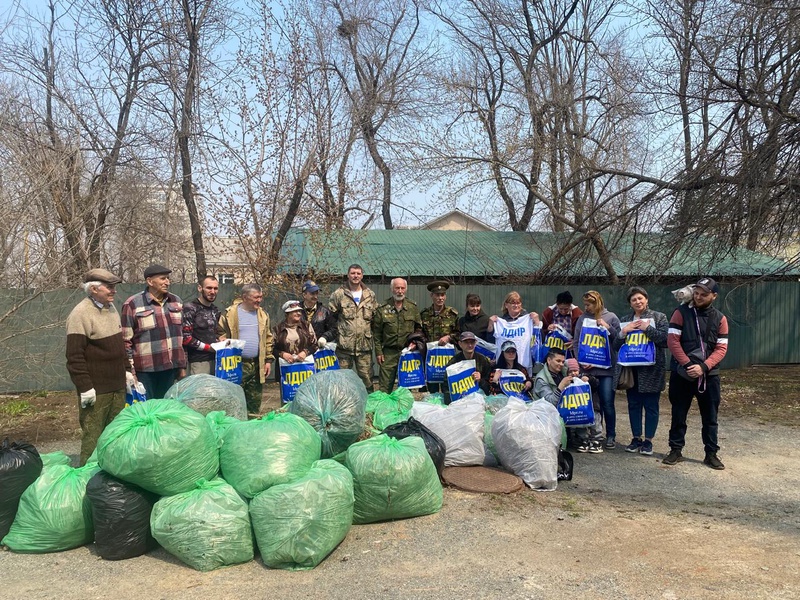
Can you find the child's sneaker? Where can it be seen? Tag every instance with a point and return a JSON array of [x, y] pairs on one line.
[[595, 448], [646, 448]]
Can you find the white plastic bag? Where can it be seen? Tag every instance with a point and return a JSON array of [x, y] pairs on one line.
[[459, 425], [526, 440]]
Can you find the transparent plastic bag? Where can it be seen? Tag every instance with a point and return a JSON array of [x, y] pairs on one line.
[[206, 393], [527, 437], [460, 427], [334, 403]]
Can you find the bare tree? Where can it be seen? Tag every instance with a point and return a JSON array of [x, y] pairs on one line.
[[378, 66]]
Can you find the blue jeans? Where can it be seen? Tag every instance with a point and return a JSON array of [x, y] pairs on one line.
[[606, 392], [638, 401], [157, 382]]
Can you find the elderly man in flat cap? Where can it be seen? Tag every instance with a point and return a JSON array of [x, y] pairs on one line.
[[96, 358], [152, 330], [439, 322]]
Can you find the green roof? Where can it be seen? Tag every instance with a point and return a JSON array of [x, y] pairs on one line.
[[450, 254]]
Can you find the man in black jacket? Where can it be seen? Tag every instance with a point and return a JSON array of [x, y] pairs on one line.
[[322, 320], [200, 318]]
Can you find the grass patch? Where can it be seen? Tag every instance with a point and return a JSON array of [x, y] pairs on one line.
[[15, 408]]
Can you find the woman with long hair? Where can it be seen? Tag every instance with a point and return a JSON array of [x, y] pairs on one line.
[[594, 308]]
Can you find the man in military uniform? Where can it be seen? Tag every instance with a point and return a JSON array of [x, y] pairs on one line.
[[439, 322], [394, 321], [353, 305]]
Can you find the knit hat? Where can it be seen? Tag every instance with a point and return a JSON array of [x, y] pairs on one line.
[[572, 365]]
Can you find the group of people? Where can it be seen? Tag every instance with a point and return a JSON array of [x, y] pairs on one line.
[[157, 338]]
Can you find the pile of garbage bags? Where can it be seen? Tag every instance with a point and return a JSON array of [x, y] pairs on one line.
[[212, 489]]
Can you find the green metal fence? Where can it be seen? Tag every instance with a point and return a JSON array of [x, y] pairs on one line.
[[763, 318]]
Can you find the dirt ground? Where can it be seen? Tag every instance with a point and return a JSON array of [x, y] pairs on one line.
[[625, 527]]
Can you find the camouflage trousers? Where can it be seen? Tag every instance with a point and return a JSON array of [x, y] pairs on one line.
[[252, 386], [94, 419], [361, 363]]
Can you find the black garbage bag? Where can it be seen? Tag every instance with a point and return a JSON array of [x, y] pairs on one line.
[[20, 465], [121, 514], [433, 443]]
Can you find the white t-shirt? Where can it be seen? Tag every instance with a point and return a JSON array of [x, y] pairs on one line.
[[519, 331]]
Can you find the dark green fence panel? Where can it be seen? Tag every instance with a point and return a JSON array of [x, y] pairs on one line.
[[763, 318]]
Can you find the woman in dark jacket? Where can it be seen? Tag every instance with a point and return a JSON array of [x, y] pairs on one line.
[[475, 320], [649, 381], [294, 337]]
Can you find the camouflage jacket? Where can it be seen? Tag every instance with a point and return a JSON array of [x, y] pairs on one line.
[[445, 323], [353, 321], [391, 327]]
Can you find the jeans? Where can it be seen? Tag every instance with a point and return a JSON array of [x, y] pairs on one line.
[[606, 393], [156, 383], [681, 394], [638, 401]]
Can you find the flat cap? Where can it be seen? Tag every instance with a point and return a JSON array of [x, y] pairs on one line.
[[154, 270], [101, 275], [708, 284], [437, 287]]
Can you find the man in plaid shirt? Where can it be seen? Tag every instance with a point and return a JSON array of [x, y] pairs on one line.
[[151, 329]]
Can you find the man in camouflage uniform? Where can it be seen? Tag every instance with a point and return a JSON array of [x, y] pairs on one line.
[[394, 321], [353, 305], [439, 322]]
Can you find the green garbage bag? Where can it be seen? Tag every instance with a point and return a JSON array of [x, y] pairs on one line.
[[277, 448], [393, 479], [54, 513], [376, 399], [388, 409], [298, 524], [207, 527], [206, 393], [488, 441], [220, 422], [437, 399], [52, 459], [334, 403], [162, 446]]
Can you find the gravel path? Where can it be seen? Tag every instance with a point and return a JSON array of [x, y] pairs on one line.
[[625, 527]]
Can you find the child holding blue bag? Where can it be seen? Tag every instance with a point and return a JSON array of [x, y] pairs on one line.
[[551, 382]]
